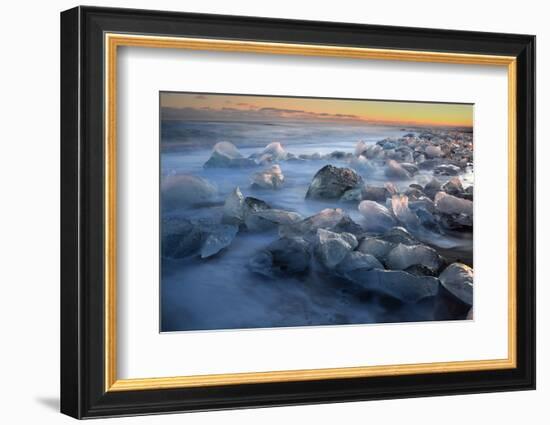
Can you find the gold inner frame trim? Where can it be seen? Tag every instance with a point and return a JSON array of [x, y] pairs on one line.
[[113, 41]]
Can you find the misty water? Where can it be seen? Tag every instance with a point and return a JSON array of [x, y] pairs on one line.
[[221, 292]]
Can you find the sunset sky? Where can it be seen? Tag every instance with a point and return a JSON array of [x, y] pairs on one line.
[[212, 107]]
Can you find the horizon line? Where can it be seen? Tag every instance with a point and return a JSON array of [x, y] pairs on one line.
[[327, 121]]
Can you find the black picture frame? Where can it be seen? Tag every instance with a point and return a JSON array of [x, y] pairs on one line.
[[83, 392]]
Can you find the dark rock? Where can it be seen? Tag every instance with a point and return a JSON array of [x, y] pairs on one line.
[[405, 155], [413, 194], [446, 170], [426, 218], [419, 270], [453, 187], [315, 156], [352, 195], [432, 188], [449, 204], [410, 168], [467, 194], [456, 222], [338, 155], [346, 224], [429, 164], [398, 235], [293, 158], [422, 202], [388, 145], [331, 182], [377, 193]]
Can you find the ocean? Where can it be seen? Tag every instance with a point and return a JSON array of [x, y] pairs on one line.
[[220, 292]]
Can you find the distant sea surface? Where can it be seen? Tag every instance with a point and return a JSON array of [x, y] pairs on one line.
[[184, 135]]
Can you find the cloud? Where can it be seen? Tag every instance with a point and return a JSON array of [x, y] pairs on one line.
[[346, 116], [252, 114], [282, 110]]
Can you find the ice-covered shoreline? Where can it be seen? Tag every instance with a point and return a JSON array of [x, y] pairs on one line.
[[412, 193]]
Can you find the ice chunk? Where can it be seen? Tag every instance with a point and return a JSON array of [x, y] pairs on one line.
[[397, 284], [358, 260], [284, 257], [268, 179], [225, 154], [396, 171], [275, 151], [217, 238], [331, 248], [376, 247], [362, 164], [335, 220], [270, 219], [400, 207], [458, 279], [377, 217], [433, 152], [234, 207], [182, 190], [360, 147], [404, 256]]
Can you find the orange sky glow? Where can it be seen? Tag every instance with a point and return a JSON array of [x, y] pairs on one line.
[[243, 107]]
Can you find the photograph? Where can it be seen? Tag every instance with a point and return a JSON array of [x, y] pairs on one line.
[[283, 211]]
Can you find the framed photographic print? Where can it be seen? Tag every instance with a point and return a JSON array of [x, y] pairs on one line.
[[261, 212]]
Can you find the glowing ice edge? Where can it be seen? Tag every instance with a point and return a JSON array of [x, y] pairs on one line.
[[144, 352]]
